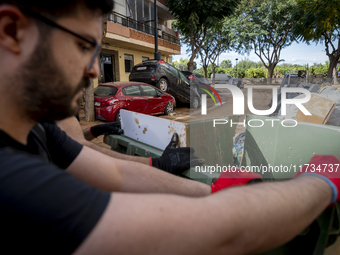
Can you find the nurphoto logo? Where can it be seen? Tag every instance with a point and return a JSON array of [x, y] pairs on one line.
[[238, 103]]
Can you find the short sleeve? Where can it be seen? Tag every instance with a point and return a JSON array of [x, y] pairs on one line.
[[61, 147], [44, 210]]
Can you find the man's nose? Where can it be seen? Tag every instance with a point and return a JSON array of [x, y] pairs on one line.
[[94, 71]]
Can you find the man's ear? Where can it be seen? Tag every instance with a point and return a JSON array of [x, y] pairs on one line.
[[12, 22]]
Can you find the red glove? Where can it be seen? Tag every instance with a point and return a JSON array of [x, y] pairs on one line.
[[229, 179], [326, 168]]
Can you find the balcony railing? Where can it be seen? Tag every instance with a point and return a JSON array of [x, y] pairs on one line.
[[144, 28]]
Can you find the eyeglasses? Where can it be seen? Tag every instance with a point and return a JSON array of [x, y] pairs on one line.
[[49, 22]]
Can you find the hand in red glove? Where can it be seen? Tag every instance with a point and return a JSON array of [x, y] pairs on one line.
[[326, 168], [229, 179]]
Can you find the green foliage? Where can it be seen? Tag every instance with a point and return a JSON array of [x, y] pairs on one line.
[[256, 73], [314, 18], [260, 72], [265, 26], [226, 64], [196, 17], [216, 42], [182, 64], [192, 15], [319, 69], [218, 69], [247, 63], [231, 71], [319, 21], [316, 68]]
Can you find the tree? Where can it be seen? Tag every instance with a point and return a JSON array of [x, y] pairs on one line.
[[319, 21], [89, 91], [226, 64], [182, 64], [265, 26], [320, 69], [216, 42], [195, 17], [247, 64]]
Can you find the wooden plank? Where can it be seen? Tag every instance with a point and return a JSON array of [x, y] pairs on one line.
[[320, 108], [152, 130]]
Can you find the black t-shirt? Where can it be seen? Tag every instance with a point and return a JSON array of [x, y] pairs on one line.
[[43, 209]]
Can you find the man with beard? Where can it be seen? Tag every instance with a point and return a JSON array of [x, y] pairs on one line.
[[48, 51]]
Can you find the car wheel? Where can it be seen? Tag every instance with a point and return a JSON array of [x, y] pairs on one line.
[[163, 84], [169, 108], [195, 103]]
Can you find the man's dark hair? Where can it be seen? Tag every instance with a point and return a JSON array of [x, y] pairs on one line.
[[59, 8]]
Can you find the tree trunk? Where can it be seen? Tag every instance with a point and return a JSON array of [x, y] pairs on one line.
[[194, 50], [213, 69], [333, 61], [270, 71], [271, 68], [205, 68], [89, 103], [335, 75], [89, 91], [191, 61]]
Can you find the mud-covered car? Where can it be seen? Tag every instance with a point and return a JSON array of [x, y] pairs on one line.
[[198, 81], [111, 97], [168, 79]]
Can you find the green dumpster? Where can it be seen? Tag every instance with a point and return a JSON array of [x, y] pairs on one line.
[[268, 145]]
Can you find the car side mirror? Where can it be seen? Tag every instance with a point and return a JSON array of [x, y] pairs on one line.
[[159, 94]]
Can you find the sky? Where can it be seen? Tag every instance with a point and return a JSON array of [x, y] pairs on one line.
[[297, 53]]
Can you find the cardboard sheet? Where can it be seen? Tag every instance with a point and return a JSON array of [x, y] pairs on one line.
[[152, 130], [320, 108]]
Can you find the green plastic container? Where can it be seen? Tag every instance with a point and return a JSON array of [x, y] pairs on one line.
[[275, 145]]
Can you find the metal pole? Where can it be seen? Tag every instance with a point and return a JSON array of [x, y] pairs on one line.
[[236, 68], [157, 54]]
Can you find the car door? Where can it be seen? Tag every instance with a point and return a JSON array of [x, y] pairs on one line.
[[134, 101], [155, 103], [173, 73], [184, 87]]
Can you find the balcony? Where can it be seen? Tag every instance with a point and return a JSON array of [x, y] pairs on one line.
[[144, 28]]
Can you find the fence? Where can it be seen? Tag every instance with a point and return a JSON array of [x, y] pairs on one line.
[[141, 27]]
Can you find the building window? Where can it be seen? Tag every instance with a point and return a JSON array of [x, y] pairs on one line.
[[128, 63], [145, 59], [140, 7], [146, 10]]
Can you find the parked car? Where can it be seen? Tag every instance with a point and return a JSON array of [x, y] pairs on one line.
[[234, 81], [168, 79], [221, 78], [197, 81], [110, 97]]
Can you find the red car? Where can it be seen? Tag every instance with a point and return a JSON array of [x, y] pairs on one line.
[[140, 97]]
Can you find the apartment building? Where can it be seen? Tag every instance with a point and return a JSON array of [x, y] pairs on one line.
[[129, 42]]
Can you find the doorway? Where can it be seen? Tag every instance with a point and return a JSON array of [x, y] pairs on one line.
[[106, 67]]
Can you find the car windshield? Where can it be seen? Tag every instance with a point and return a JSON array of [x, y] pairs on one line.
[[104, 91], [183, 77]]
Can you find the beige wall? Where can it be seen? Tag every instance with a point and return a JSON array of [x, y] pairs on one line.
[[137, 58], [95, 83]]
